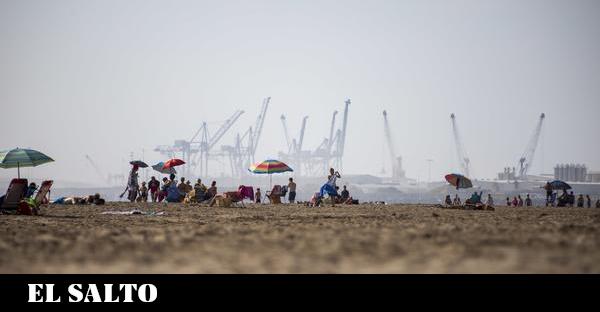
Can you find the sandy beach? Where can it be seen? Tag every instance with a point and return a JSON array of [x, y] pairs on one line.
[[297, 239]]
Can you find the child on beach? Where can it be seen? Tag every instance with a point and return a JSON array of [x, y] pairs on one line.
[[143, 193], [257, 196]]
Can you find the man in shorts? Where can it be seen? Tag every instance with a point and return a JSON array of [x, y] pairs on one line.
[[292, 191]]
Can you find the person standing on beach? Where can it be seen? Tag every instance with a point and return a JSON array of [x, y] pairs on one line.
[[508, 201], [520, 201], [589, 201], [329, 188], [153, 186], [549, 192], [528, 201], [292, 190], [132, 184], [515, 201]]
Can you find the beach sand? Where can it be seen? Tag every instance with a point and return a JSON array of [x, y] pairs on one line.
[[298, 239]]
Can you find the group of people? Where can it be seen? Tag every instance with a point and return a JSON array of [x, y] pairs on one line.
[[169, 190], [331, 189], [567, 199], [518, 201], [289, 189], [475, 200]]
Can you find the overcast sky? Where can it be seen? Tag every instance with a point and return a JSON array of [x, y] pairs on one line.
[[108, 78]]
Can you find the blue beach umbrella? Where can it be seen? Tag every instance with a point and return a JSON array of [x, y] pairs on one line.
[[21, 157]]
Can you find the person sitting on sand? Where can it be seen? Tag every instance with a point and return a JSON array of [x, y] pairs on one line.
[[598, 203], [154, 186], [345, 197], [174, 194], [315, 200], [257, 195], [475, 199], [528, 201], [508, 201], [580, 201], [212, 190], [200, 190], [457, 201], [490, 201], [448, 200], [30, 190], [162, 194], [182, 186], [97, 200], [345, 194]]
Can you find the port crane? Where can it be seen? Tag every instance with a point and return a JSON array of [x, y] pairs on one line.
[[463, 159], [197, 150], [527, 157], [396, 161], [329, 153], [241, 154], [294, 155]]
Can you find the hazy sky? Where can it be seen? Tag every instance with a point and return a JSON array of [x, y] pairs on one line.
[[107, 78]]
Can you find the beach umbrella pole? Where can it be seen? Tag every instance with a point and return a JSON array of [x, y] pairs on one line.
[[18, 171]]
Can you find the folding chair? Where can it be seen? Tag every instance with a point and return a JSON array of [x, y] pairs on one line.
[[14, 194]]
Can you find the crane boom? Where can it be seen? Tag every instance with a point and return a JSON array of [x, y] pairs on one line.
[[460, 150], [260, 120], [286, 133], [331, 131], [527, 158], [302, 129], [214, 139], [344, 126], [390, 142]]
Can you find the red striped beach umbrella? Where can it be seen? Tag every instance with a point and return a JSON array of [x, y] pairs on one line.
[[269, 167], [173, 163]]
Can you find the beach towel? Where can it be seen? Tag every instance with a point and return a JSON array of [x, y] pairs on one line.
[[327, 189], [135, 212], [246, 192]]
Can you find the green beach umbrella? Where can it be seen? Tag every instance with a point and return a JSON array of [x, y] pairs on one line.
[[21, 157]]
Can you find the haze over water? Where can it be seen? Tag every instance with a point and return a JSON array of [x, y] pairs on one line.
[[111, 78]]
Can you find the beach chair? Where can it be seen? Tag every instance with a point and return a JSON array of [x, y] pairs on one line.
[[14, 194], [32, 206], [274, 195]]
